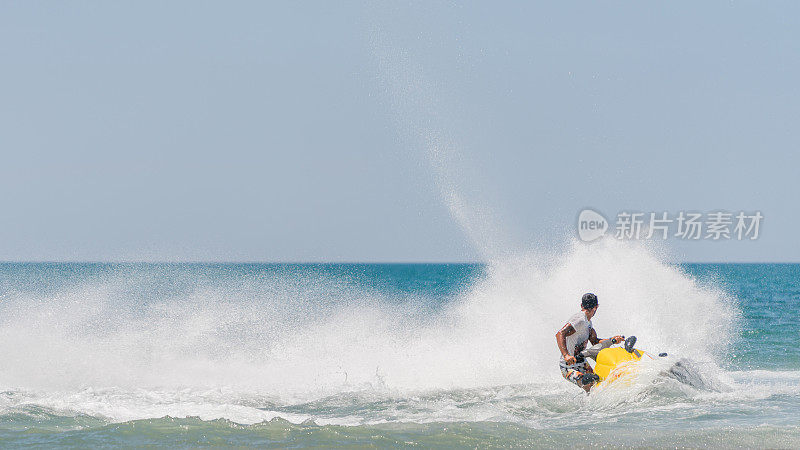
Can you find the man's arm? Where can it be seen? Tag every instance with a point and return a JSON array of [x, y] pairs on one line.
[[561, 341], [594, 339], [593, 336]]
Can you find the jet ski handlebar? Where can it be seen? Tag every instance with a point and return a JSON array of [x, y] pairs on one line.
[[629, 343], [592, 351]]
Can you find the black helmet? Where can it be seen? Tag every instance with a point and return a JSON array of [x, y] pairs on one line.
[[588, 301]]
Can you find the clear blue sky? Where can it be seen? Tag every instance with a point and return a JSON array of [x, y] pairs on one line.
[[273, 131]]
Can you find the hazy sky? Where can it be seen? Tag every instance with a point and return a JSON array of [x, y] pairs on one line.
[[335, 131]]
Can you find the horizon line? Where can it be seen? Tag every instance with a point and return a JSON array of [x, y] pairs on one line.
[[255, 262]]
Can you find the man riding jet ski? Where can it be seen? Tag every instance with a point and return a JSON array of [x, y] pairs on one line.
[[571, 340]]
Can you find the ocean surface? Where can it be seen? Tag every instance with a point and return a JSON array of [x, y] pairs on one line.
[[394, 354]]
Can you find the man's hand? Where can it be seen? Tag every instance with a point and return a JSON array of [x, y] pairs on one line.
[[617, 339], [569, 359]]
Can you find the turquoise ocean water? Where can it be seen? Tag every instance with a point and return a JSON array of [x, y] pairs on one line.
[[393, 354]]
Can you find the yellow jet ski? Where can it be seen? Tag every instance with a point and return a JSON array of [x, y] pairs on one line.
[[612, 363]]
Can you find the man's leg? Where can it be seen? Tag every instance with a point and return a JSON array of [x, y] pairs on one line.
[[574, 373]]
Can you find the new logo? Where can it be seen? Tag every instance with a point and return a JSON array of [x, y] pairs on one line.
[[591, 225]]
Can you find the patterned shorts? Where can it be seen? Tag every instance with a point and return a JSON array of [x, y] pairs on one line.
[[573, 372]]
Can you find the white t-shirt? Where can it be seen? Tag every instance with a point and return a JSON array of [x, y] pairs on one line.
[[582, 327]]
